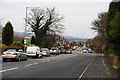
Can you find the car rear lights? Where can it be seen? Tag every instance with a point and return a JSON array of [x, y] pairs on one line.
[[14, 53], [3, 54]]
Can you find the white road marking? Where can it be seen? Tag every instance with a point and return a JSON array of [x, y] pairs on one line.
[[35, 63], [28, 65], [107, 70], [9, 69], [85, 70], [31, 64], [105, 65], [46, 61]]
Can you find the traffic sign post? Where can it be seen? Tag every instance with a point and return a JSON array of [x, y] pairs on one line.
[[27, 40], [60, 46]]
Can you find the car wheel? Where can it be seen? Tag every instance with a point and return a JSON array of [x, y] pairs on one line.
[[26, 58], [41, 56], [48, 55], [37, 55], [4, 60], [19, 59]]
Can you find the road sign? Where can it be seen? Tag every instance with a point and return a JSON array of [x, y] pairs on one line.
[[27, 40], [60, 46]]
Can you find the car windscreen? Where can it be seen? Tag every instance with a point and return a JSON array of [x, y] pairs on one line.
[[32, 49], [53, 49], [43, 49], [11, 50]]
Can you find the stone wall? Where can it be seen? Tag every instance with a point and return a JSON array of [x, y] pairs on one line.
[[115, 61]]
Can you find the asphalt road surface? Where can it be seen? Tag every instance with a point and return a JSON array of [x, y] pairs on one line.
[[61, 66]]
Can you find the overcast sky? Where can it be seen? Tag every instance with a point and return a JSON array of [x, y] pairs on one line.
[[78, 13]]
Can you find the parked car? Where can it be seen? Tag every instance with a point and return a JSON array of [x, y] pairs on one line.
[[69, 51], [63, 51], [89, 50], [16, 54], [45, 51], [85, 51], [54, 50], [33, 51]]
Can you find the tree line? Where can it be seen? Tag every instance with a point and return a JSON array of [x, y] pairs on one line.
[[108, 28]]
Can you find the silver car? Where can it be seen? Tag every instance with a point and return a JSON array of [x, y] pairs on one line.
[[54, 51], [16, 54], [45, 51]]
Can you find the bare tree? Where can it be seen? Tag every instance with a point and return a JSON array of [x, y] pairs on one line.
[[99, 25], [44, 21]]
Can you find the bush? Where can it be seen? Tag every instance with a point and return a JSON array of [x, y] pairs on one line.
[[4, 46], [17, 43]]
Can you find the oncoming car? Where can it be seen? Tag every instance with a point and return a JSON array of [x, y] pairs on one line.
[[16, 54]]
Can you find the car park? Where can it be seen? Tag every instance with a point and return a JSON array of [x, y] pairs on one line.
[[45, 51], [16, 54]]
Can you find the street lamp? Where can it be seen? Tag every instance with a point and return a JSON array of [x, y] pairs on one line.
[[26, 20], [25, 27], [27, 17]]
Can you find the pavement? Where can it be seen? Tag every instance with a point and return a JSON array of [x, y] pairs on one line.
[[101, 68]]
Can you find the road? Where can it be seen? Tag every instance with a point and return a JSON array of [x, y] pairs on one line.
[[61, 66]]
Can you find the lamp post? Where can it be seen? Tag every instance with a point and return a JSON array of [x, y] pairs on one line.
[[25, 28], [26, 20]]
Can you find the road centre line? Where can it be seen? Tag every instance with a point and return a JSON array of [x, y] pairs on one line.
[[9, 69], [35, 63], [31, 64], [28, 65], [85, 69]]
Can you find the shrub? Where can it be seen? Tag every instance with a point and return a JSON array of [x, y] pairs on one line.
[[18, 43]]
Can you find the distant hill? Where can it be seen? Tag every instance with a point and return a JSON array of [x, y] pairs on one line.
[[77, 39], [22, 34], [69, 38]]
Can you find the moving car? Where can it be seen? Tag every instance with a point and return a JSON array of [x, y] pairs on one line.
[[45, 51], [54, 50], [33, 51], [16, 54]]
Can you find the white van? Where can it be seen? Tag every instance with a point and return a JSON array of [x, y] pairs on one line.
[[33, 51]]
